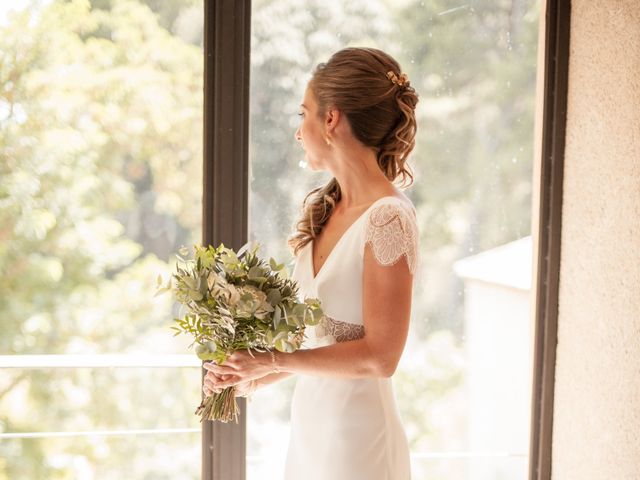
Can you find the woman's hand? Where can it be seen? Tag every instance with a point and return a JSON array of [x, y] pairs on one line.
[[239, 368], [212, 381]]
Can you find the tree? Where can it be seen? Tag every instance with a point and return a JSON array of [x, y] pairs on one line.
[[100, 151]]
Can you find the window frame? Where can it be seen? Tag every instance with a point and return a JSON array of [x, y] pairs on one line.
[[548, 176], [227, 41]]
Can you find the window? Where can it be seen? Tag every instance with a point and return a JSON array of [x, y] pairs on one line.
[[100, 174], [101, 163], [463, 386]]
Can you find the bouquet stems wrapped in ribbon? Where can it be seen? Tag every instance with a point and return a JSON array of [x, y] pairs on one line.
[[236, 301]]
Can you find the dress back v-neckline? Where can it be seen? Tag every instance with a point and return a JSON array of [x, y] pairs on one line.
[[314, 276]]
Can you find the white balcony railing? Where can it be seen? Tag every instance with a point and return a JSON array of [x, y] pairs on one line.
[[100, 361], [162, 361]]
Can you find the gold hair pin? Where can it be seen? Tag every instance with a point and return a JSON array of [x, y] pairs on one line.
[[403, 81]]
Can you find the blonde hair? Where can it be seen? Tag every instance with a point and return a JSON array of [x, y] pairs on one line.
[[381, 113]]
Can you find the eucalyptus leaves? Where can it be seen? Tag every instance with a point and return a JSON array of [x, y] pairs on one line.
[[236, 301]]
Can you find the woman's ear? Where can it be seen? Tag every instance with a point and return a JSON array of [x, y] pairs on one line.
[[332, 118]]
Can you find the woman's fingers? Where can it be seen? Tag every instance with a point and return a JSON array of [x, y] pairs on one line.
[[229, 381], [216, 377], [210, 391], [215, 368], [213, 376], [230, 373], [213, 382], [216, 383]]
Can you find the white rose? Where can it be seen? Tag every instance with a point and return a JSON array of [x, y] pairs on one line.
[[234, 294], [214, 279]]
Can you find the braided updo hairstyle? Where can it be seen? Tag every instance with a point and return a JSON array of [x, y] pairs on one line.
[[363, 84]]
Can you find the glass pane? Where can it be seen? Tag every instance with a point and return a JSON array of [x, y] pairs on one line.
[[100, 183], [160, 456], [101, 423], [464, 380], [125, 398]]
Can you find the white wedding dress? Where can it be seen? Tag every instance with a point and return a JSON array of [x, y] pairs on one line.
[[342, 428]]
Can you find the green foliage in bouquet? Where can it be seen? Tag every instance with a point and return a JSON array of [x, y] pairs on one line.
[[236, 301]]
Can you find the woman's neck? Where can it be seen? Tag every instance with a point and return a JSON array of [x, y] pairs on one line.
[[361, 180]]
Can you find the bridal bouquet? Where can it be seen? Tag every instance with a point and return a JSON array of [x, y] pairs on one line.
[[236, 301]]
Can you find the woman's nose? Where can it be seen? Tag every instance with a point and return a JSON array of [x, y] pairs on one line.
[[297, 134]]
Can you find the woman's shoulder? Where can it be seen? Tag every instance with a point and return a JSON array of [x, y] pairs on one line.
[[387, 203], [404, 200], [392, 230]]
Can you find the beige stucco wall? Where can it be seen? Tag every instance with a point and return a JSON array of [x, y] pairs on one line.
[[596, 430]]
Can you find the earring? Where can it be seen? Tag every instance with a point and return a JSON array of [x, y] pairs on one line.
[[326, 139]]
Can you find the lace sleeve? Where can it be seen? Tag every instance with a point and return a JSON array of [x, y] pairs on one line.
[[340, 331], [392, 232]]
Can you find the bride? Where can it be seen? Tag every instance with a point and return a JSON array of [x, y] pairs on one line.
[[356, 248]]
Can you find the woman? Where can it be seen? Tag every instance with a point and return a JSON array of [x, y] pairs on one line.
[[356, 249]]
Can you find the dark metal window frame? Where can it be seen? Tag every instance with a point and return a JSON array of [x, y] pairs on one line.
[[556, 72], [227, 41]]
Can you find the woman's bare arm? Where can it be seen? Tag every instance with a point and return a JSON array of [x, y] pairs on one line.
[[272, 378], [387, 292]]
